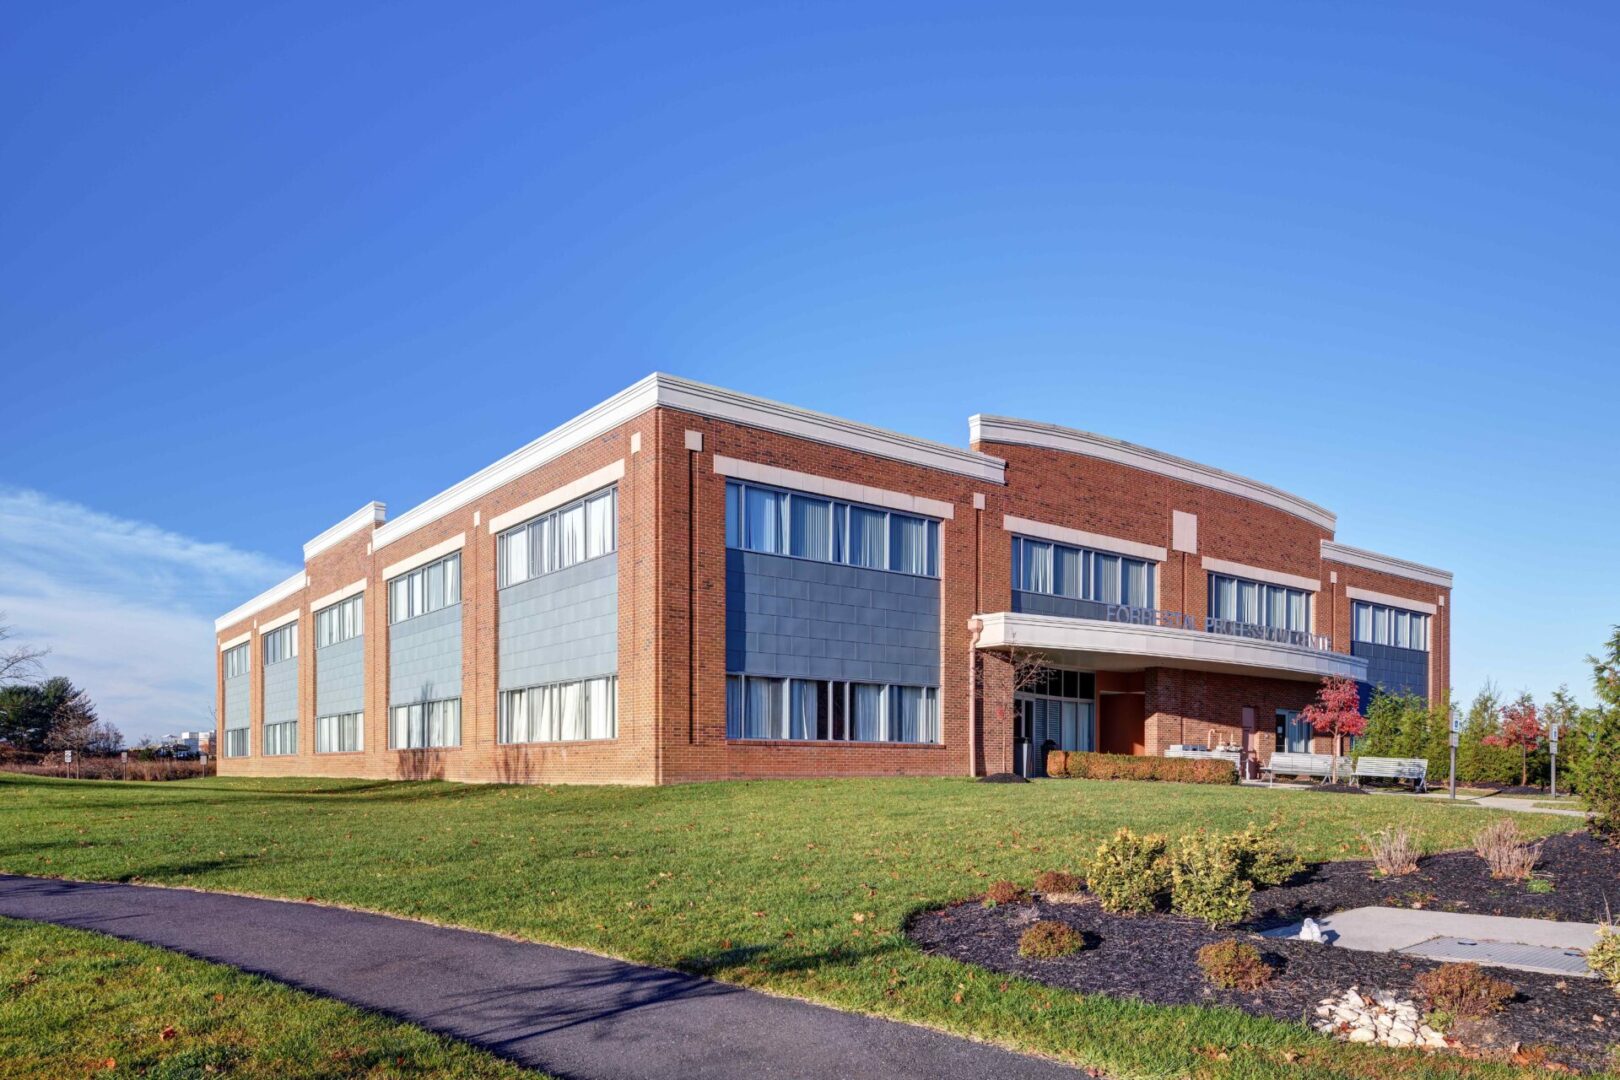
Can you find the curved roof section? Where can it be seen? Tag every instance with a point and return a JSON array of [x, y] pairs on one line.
[[1006, 429]]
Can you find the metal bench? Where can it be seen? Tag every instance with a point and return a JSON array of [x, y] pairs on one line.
[[1289, 764], [1389, 768]]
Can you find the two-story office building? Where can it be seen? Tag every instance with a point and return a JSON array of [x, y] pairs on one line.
[[686, 583]]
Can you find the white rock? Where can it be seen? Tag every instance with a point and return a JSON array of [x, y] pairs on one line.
[[1362, 1035]]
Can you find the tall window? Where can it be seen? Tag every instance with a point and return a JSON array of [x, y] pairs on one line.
[[584, 529], [281, 644], [809, 527], [340, 622], [236, 742], [425, 724], [1060, 570], [1381, 625], [1252, 603], [236, 661], [561, 712], [428, 588], [340, 733], [281, 738], [818, 710]]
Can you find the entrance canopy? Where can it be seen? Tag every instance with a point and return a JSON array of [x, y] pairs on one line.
[[1096, 645]]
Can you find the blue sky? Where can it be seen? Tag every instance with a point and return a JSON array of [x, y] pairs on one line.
[[262, 265]]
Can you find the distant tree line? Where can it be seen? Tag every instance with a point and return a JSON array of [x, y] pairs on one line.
[[42, 715]]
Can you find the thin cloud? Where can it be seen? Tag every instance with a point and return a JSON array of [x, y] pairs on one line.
[[125, 607]]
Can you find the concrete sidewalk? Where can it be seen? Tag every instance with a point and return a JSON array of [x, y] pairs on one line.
[[568, 1013], [1526, 944]]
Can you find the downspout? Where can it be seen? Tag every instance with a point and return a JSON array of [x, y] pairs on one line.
[[975, 628]]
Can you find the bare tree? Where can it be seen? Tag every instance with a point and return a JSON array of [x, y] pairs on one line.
[[1030, 667], [18, 663]]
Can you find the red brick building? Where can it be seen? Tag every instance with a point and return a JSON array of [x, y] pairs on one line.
[[685, 583]]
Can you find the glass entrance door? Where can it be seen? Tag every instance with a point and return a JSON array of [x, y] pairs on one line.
[[1293, 734], [1051, 723]]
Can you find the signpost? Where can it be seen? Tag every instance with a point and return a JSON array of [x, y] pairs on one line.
[[1552, 743], [1456, 730], [67, 763], [123, 756]]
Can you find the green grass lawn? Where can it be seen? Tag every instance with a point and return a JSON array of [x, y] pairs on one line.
[[799, 888], [74, 1003]]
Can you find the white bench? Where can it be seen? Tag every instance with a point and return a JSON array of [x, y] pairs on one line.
[[1288, 764], [1389, 768]]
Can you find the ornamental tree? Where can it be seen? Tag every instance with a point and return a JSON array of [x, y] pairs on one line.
[[1336, 712], [1522, 730]]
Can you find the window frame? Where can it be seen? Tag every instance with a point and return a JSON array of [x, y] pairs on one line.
[[1383, 626], [739, 529], [541, 538], [413, 586], [590, 691], [1088, 569], [336, 719], [283, 640], [836, 699]]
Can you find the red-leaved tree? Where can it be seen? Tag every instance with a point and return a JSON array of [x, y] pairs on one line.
[[1522, 729], [1336, 712]]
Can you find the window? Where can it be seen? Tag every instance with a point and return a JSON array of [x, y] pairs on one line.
[[428, 588], [340, 733], [808, 527], [236, 661], [577, 711], [1041, 566], [425, 724], [812, 710], [281, 644], [340, 622], [1252, 603], [558, 539], [281, 738], [236, 742], [1381, 625], [1293, 734]]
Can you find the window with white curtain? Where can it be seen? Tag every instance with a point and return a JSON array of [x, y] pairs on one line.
[[281, 644], [340, 733], [1042, 566], [1254, 603], [236, 742], [236, 661], [429, 588], [820, 710], [581, 530], [577, 711], [425, 724], [281, 739], [1379, 624], [809, 527], [339, 622]]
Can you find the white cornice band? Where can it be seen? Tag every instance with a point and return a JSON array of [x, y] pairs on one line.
[[1260, 573], [1385, 564], [373, 513], [425, 556], [601, 478], [275, 592], [240, 639], [1004, 429], [279, 621], [831, 488], [335, 596], [1040, 530], [1389, 600]]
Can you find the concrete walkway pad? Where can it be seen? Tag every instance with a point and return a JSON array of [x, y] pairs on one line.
[[1525, 944]]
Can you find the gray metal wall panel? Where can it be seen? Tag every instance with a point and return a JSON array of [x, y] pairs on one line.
[[424, 657], [1066, 606], [340, 677], [281, 691], [815, 620], [238, 688], [1399, 671], [561, 626]]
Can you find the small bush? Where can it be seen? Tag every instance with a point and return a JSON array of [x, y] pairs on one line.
[[1262, 855], [1057, 763], [1128, 873], [1504, 850], [1207, 882], [1234, 965], [1002, 892], [1057, 881], [1463, 991], [1088, 766], [1394, 851], [1049, 939], [1604, 955]]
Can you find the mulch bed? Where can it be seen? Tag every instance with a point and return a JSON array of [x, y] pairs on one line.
[[1153, 957]]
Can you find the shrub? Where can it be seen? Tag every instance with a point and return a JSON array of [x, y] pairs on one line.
[[1463, 991], [1394, 851], [1057, 763], [1604, 955], [1262, 855], [1504, 850], [1088, 766], [1002, 892], [1206, 881], [1128, 873], [1056, 881], [1234, 965], [1049, 939]]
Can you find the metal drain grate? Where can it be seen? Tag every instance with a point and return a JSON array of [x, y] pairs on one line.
[[1548, 961]]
